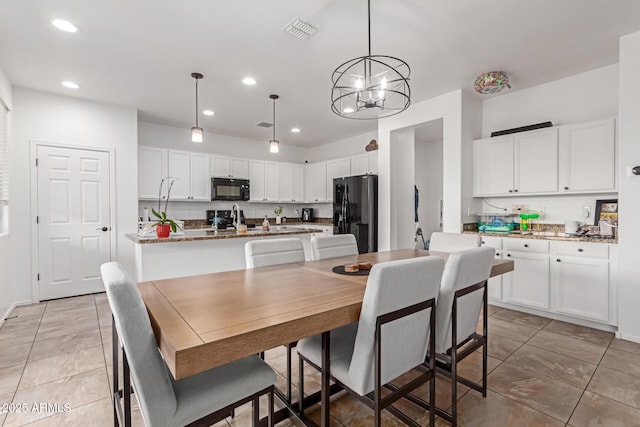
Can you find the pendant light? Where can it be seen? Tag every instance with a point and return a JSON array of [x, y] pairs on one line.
[[371, 86], [274, 144], [196, 131]]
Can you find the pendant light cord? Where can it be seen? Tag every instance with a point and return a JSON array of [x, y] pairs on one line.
[[274, 119], [369, 24], [197, 102]]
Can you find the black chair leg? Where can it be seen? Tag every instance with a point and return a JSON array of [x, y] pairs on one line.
[[300, 385], [270, 421], [256, 412], [289, 347], [126, 389]]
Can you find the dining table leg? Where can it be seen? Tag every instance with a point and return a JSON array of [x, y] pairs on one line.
[[325, 393]]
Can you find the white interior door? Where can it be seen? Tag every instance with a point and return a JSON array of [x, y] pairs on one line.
[[74, 227]]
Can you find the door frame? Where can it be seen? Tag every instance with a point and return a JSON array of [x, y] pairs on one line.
[[33, 188]]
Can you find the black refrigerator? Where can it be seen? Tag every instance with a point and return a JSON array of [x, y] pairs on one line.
[[355, 210]]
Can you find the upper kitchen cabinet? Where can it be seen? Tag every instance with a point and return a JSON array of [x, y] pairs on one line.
[[265, 181], [229, 167], [364, 164], [315, 182], [522, 163], [588, 157], [152, 167], [291, 182], [191, 170], [337, 168]]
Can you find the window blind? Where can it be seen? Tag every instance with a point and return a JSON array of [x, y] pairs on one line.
[[4, 155]]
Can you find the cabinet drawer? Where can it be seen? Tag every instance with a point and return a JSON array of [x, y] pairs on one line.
[[526, 245], [580, 249], [492, 242]]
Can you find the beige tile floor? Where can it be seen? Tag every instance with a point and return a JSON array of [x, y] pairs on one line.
[[542, 372]]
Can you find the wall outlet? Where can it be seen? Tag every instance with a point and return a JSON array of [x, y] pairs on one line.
[[519, 208], [586, 212]]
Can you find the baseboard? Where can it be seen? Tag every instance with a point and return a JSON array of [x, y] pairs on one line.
[[628, 337], [11, 308]]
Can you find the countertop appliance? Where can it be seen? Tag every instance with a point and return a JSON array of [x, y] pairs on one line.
[[355, 210], [229, 189], [224, 218], [307, 214]]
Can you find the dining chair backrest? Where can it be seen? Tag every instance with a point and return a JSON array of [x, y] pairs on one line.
[[150, 375], [265, 252], [391, 286], [453, 242], [323, 247], [463, 269]]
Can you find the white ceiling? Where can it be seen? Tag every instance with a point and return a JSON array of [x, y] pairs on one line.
[[141, 53]]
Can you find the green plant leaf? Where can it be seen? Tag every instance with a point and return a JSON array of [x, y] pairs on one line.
[[155, 213]]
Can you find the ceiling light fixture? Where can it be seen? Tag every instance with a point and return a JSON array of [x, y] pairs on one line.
[[65, 26], [372, 86], [70, 85], [249, 81], [208, 113], [274, 144], [295, 130], [196, 131], [300, 29], [491, 82]]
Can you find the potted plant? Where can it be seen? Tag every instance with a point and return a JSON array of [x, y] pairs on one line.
[[163, 224], [278, 212]]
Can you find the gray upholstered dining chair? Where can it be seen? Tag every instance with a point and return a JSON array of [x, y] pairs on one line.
[[452, 242], [462, 297], [266, 252], [323, 247], [201, 399], [396, 326]]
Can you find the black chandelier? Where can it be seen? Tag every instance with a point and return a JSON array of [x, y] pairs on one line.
[[372, 86]]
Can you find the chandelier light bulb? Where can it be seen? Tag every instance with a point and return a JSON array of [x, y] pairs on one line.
[[383, 83], [359, 84]]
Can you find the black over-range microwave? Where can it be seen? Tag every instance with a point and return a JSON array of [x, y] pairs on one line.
[[229, 189]]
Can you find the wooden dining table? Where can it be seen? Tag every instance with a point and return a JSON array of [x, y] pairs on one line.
[[205, 321]]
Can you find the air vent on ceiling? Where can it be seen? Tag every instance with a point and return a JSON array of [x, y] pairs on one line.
[[300, 29], [264, 125]]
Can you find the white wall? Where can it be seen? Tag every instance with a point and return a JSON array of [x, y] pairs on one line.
[[402, 188], [175, 138], [428, 173], [449, 108], [583, 97], [341, 148], [41, 116], [629, 207], [586, 96], [6, 242]]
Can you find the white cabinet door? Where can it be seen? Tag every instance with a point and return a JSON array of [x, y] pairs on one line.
[[271, 181], [373, 162], [528, 284], [179, 169], [359, 164], [298, 183], [221, 166], [286, 183], [239, 168], [200, 178], [336, 168], [588, 157], [152, 167], [493, 166], [581, 287], [494, 290], [315, 182], [536, 161], [256, 175]]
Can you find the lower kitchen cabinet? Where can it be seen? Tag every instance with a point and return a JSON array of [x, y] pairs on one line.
[[528, 284], [581, 277], [494, 285]]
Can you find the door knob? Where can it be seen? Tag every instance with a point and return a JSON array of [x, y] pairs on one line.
[[102, 228]]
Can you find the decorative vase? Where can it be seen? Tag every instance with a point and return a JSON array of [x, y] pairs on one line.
[[163, 230], [278, 220]]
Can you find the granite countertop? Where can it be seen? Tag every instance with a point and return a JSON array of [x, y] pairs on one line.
[[211, 234], [549, 235]]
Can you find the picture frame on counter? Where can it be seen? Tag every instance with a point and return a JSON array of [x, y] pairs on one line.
[[606, 209]]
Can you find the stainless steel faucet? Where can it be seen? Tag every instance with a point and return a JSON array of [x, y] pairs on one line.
[[235, 214]]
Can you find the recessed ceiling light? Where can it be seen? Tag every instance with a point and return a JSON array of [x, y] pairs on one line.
[[71, 85], [66, 26], [208, 113], [295, 130], [348, 110], [249, 81]]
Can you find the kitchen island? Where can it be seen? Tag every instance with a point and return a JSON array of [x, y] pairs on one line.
[[204, 251]]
